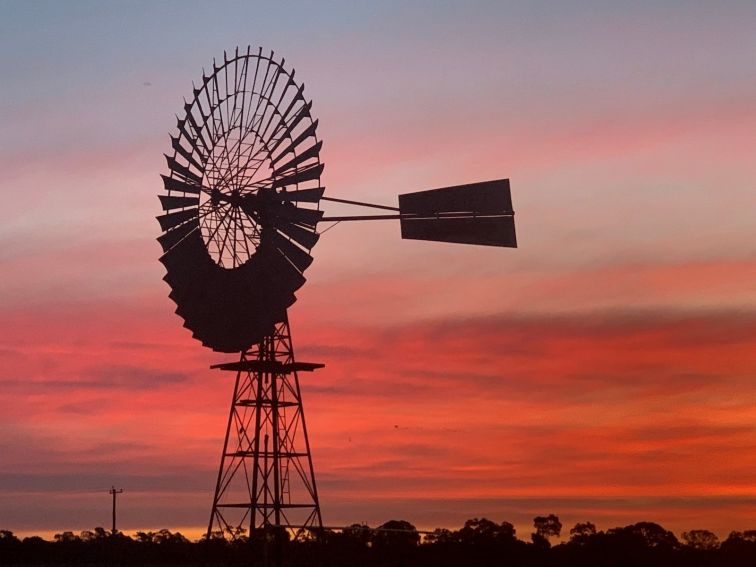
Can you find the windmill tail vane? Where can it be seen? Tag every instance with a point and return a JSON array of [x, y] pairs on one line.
[[476, 213]]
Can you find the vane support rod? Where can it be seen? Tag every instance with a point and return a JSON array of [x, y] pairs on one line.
[[444, 215], [359, 203]]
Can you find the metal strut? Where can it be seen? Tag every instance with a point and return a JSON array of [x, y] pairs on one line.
[[266, 481]]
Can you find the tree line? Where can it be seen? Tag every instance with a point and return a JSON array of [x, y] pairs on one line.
[[396, 543]]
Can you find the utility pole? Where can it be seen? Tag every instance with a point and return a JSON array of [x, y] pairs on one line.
[[114, 492]]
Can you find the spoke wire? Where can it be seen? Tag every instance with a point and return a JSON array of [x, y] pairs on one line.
[[329, 228]]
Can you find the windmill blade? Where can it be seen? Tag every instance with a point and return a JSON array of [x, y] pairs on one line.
[[291, 251], [301, 114], [298, 97], [191, 279], [169, 239], [486, 231], [173, 184], [307, 174], [303, 195], [188, 260], [194, 303], [168, 221], [182, 170], [202, 301], [304, 156], [196, 291], [309, 131], [309, 217], [281, 273], [204, 327], [193, 122], [300, 235], [487, 197], [173, 202], [176, 144], [195, 140]]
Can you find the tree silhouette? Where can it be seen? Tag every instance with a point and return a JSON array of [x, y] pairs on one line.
[[748, 536], [485, 532], [10, 545], [396, 534], [700, 539], [442, 536], [479, 543], [649, 534], [359, 534], [546, 527], [66, 537], [582, 532], [7, 536], [740, 547]]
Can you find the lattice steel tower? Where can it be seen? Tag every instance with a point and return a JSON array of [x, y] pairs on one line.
[[266, 476]]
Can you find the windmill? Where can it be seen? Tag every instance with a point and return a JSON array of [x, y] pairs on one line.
[[241, 210]]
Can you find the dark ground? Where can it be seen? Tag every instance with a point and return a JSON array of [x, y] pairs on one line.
[[479, 543]]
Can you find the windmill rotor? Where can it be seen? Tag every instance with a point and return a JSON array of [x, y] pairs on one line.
[[241, 202]]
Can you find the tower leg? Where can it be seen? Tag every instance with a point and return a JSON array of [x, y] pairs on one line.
[[266, 481]]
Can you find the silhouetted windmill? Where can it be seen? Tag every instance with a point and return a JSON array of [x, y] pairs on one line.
[[242, 208]]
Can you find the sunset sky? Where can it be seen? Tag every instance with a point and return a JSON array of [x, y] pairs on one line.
[[605, 370]]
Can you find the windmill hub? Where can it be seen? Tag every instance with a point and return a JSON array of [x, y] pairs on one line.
[[235, 198], [216, 197]]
